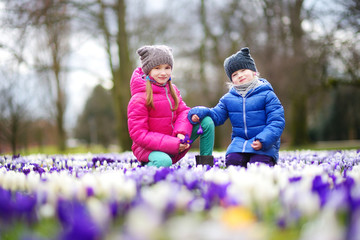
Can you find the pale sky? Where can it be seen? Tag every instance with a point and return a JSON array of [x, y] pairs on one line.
[[89, 67]]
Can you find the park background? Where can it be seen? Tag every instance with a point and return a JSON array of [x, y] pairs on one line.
[[65, 66]]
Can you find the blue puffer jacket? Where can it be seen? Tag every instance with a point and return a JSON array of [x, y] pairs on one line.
[[257, 116]]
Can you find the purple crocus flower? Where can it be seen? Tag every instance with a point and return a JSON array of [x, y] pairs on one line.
[[295, 179], [26, 171], [77, 222], [281, 223], [191, 185], [114, 208], [321, 188], [186, 140], [24, 205], [6, 211], [214, 193], [90, 192], [200, 130], [353, 209], [161, 174]]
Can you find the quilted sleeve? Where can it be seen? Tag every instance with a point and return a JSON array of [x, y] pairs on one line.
[[275, 121], [200, 111], [219, 113]]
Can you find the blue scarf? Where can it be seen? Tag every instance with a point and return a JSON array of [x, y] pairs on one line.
[[152, 80]]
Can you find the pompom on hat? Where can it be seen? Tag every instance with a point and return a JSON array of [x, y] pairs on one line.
[[154, 55], [240, 60]]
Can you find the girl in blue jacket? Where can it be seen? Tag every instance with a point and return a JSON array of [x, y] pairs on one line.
[[255, 112]]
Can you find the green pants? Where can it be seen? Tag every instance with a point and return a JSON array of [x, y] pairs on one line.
[[161, 159]]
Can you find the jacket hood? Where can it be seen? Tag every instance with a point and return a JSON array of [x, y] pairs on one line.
[[137, 81]]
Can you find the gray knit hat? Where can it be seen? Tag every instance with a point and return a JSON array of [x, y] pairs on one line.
[[240, 60], [152, 56]]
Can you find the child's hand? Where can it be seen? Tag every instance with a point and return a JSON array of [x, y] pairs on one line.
[[195, 118], [181, 136], [183, 147], [256, 145]]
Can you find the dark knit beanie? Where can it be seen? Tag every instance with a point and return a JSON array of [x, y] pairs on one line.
[[240, 60], [152, 56]]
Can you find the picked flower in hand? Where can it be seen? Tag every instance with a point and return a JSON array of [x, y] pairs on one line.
[[186, 140]]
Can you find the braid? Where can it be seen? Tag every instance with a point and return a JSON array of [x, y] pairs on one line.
[[174, 96], [149, 95]]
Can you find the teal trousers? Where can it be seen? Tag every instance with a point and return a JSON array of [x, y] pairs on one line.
[[161, 159]]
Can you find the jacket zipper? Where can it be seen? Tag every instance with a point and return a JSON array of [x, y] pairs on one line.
[[244, 118], [172, 113]]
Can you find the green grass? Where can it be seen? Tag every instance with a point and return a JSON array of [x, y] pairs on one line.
[[52, 150]]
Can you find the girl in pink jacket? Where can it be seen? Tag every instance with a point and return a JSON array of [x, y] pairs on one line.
[[157, 115]]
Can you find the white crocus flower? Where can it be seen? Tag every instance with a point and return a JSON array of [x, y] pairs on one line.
[[161, 194], [97, 164], [10, 181], [217, 176], [63, 184], [143, 223], [325, 226], [85, 182], [127, 190], [299, 196], [355, 173], [32, 181], [70, 163], [157, 196], [46, 211], [99, 211]]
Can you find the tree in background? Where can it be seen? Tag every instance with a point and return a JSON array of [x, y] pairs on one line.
[[304, 48], [292, 56], [45, 26], [15, 116], [97, 123], [109, 19], [338, 118]]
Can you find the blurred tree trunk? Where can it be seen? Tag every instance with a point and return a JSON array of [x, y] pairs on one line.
[[210, 37], [299, 77], [284, 50], [122, 82], [121, 73], [55, 43], [217, 53], [14, 114], [50, 23], [202, 52]]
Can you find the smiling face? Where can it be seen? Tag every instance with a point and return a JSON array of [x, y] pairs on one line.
[[242, 76], [161, 73]]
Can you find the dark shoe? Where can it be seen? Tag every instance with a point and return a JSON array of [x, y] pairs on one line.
[[204, 160]]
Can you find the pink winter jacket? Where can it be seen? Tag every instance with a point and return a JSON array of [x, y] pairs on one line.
[[155, 129]]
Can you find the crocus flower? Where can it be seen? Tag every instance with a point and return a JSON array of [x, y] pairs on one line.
[[77, 222], [186, 140], [5, 205], [200, 130], [321, 188]]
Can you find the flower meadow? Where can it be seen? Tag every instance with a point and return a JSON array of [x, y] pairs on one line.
[[307, 195]]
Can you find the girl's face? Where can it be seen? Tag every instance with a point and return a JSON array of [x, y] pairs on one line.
[[242, 76], [161, 73]]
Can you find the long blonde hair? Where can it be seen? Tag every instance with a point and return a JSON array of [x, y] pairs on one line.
[[150, 95]]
